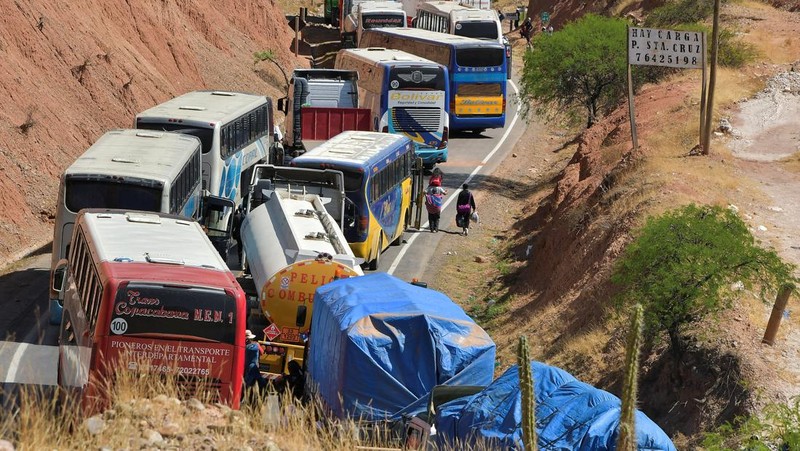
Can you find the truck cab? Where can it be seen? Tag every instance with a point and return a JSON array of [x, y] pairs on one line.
[[320, 104]]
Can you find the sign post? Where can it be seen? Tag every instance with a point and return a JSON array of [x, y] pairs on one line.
[[545, 17], [670, 48]]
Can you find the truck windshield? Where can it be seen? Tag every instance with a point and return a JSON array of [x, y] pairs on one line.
[[206, 135], [479, 30], [195, 313], [382, 20], [103, 193]]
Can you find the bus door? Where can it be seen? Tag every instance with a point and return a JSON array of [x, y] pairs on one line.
[[417, 190], [217, 221]]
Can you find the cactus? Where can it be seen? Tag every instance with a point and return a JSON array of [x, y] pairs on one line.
[[627, 423], [528, 396]]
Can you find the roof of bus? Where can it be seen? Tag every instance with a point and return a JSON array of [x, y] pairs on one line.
[[137, 153], [205, 106], [450, 6], [436, 37], [388, 56], [466, 13], [356, 147], [371, 5], [145, 237]]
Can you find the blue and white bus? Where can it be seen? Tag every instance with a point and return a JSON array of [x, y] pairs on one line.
[[236, 131], [407, 95], [377, 170], [477, 70]]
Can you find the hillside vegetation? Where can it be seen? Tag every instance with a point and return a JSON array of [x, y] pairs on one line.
[[71, 73]]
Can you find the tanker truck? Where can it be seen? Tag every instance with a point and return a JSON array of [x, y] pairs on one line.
[[292, 244]]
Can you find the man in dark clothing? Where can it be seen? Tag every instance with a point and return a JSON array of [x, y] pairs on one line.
[[465, 206], [252, 354], [236, 232]]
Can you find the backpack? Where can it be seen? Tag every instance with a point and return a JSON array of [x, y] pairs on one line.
[[434, 202]]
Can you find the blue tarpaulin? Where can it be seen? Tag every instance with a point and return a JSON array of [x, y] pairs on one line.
[[379, 345], [570, 415]]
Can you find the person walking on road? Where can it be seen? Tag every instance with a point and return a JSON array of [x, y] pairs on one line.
[[465, 207], [434, 199]]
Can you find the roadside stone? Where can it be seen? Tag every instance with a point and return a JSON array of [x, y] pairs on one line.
[[5, 445], [271, 446], [169, 429], [160, 399], [762, 228], [480, 259], [95, 425], [725, 125], [152, 437], [513, 155], [195, 404]]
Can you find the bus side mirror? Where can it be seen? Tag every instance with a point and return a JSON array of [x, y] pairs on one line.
[[283, 105], [59, 276]]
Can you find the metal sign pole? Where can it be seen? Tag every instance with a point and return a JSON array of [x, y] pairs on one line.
[[631, 111], [703, 93]]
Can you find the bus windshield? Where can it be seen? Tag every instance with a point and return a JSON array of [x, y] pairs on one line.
[[480, 57], [206, 135], [89, 193], [383, 20], [479, 30], [196, 313], [417, 78]]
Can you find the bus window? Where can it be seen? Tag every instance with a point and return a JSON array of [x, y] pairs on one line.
[[96, 194], [480, 57], [206, 135], [479, 30]]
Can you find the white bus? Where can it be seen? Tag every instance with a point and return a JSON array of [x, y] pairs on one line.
[[372, 14], [236, 130], [453, 18], [135, 170], [407, 94]]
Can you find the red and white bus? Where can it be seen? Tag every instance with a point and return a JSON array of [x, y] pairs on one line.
[[148, 292]]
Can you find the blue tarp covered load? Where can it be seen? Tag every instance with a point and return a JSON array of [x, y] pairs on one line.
[[379, 345], [570, 415]]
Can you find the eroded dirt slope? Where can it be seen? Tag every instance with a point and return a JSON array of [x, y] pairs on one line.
[[71, 71]]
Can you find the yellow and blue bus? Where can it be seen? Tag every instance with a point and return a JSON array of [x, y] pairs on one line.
[[407, 95], [477, 70], [377, 181]]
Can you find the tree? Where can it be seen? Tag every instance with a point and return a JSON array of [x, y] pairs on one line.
[[582, 65], [269, 55], [693, 262]]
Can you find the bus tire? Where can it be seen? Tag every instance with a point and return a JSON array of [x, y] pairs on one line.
[[373, 264], [478, 131]]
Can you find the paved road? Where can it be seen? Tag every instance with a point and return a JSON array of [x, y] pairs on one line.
[[28, 355]]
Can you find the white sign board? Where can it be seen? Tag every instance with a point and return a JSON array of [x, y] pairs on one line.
[[672, 48]]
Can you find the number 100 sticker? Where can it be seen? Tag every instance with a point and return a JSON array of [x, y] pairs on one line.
[[119, 326]]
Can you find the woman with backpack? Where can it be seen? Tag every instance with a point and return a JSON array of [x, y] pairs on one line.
[[465, 207], [434, 199]]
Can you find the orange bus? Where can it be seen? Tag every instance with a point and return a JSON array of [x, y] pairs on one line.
[[147, 292]]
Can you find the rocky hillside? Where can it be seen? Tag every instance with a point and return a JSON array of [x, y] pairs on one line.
[[70, 73]]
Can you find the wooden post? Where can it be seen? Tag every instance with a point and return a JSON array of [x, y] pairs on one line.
[[777, 313], [420, 180], [712, 80], [703, 93], [296, 35], [631, 111]]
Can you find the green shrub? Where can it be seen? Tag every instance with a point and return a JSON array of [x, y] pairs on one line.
[[679, 12], [733, 52], [778, 429]]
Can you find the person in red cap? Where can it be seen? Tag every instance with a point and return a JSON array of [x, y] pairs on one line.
[[434, 199]]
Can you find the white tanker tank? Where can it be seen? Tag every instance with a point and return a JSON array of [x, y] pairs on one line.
[[292, 245]]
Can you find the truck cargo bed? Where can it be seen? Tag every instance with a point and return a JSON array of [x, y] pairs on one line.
[[322, 123]]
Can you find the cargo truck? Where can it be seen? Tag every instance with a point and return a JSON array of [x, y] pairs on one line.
[[320, 104], [292, 244]]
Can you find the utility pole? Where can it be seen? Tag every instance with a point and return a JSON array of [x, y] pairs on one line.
[[706, 144]]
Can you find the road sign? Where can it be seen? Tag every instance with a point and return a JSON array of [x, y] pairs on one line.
[[672, 48], [545, 17]]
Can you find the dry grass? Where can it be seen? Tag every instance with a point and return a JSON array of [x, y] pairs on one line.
[[147, 411]]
